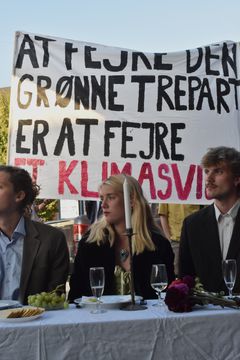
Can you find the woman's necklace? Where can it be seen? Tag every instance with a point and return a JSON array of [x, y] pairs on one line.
[[123, 254]]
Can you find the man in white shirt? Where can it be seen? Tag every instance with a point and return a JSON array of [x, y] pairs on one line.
[[212, 234], [33, 256]]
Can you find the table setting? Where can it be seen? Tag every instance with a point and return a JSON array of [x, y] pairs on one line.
[[114, 334], [185, 322]]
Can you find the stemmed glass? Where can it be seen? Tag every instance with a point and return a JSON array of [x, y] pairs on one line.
[[159, 280], [229, 268], [97, 282]]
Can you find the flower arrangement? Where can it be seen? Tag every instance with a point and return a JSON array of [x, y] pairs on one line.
[[183, 294]]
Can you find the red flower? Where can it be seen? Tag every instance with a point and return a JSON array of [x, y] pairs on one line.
[[183, 294], [175, 282], [177, 297], [189, 280]]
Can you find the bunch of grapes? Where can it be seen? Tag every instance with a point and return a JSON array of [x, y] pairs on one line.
[[53, 300]]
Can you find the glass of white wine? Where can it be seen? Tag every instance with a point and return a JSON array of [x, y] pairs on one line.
[[159, 281], [229, 268], [97, 283]]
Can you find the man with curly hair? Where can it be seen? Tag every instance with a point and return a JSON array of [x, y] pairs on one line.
[[212, 234], [33, 256]]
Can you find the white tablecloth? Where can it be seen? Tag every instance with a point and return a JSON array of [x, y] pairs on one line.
[[206, 333]]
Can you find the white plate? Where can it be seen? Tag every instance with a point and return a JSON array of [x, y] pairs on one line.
[[108, 301], [7, 304], [4, 314], [20, 319]]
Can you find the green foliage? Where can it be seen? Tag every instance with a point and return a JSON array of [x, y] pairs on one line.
[[49, 211], [4, 118]]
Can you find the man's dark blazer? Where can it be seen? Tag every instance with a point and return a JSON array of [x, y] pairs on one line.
[[200, 253], [45, 262], [90, 255]]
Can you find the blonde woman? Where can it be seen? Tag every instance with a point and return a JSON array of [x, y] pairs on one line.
[[107, 245]]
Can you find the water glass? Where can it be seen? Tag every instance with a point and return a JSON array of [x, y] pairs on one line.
[[159, 280], [97, 283], [229, 268]]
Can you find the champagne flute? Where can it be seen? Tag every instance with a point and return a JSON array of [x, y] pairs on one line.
[[97, 282], [229, 268], [159, 280]]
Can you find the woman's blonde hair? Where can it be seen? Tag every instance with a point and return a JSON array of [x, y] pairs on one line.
[[142, 219]]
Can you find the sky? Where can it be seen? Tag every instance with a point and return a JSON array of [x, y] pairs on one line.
[[144, 25]]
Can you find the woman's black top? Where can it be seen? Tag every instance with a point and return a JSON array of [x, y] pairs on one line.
[[93, 255]]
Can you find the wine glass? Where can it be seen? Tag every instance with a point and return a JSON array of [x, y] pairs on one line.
[[159, 280], [97, 282], [229, 268]]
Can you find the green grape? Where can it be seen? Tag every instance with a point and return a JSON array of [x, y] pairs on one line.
[[38, 303], [55, 299], [39, 298], [60, 298], [47, 298], [65, 305]]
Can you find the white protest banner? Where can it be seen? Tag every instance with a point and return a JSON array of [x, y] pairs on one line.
[[81, 112]]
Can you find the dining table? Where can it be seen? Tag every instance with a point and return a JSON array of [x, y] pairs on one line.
[[206, 333]]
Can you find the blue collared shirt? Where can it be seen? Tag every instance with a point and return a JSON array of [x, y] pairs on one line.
[[11, 252]]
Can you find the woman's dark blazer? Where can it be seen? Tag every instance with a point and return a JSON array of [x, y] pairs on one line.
[[91, 254]]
